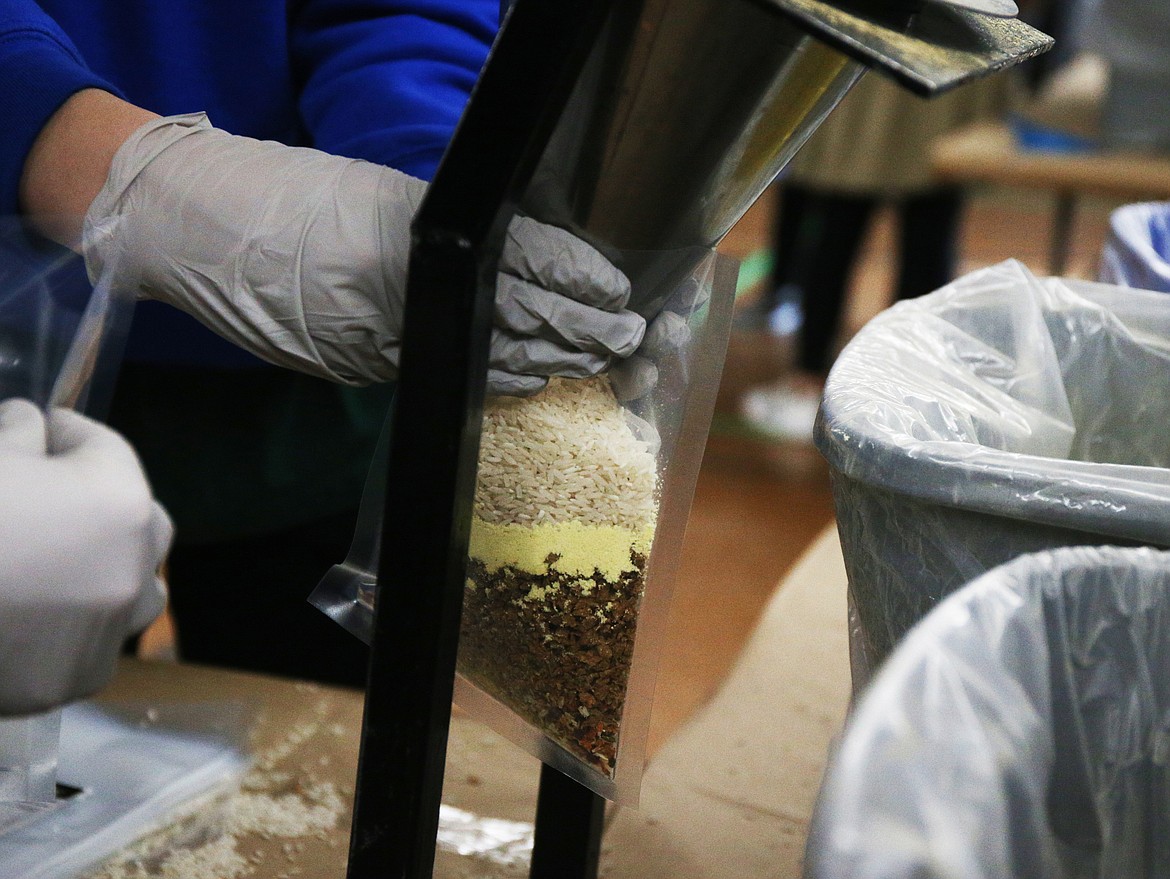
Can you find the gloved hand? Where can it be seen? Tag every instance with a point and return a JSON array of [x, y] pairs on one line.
[[81, 541], [637, 375], [301, 258], [668, 333]]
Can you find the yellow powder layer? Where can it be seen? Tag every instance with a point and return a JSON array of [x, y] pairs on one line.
[[582, 548]]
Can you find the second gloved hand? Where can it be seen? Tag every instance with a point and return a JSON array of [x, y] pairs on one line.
[[301, 258], [81, 541]]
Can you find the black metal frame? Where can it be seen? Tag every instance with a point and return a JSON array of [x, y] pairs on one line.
[[569, 821], [456, 243]]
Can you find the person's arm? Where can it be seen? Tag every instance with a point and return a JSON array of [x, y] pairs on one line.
[[386, 80], [40, 69], [70, 160], [298, 255]]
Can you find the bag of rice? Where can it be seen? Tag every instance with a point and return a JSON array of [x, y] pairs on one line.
[[565, 507], [580, 507]]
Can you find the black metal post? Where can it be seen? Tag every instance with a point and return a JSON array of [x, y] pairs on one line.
[[569, 822], [424, 544], [457, 239]]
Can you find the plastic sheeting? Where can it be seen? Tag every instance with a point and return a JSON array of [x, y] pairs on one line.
[[1137, 249], [1019, 730], [61, 340], [134, 769], [1001, 415]]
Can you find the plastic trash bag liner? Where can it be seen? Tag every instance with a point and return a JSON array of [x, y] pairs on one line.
[[1137, 249], [61, 339], [1019, 730], [580, 506], [1001, 415]]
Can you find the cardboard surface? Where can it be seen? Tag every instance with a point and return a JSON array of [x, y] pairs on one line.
[[304, 740], [729, 795]]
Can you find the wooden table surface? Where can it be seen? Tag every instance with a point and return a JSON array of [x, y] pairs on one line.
[[989, 153]]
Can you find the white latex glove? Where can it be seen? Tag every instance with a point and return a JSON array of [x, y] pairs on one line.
[[81, 541], [301, 258]]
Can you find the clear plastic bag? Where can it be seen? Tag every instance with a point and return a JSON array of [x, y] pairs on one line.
[[132, 770], [61, 339], [61, 335], [1018, 731], [581, 504], [1001, 415]]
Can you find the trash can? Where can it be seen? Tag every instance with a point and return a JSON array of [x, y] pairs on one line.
[[1001, 415], [1137, 249], [1020, 730]]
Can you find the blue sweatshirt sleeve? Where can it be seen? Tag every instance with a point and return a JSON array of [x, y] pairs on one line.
[[39, 69], [386, 80]]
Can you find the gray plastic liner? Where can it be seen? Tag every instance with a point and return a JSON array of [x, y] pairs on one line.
[[1001, 415], [1019, 730]]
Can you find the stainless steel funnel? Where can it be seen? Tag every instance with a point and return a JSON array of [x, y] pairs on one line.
[[686, 110]]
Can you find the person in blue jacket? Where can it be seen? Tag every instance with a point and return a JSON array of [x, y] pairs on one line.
[[250, 170]]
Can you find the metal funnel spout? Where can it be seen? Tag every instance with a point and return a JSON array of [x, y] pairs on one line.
[[686, 110], [677, 119], [927, 45]]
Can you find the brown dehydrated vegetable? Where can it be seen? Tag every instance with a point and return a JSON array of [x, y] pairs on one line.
[[555, 648]]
